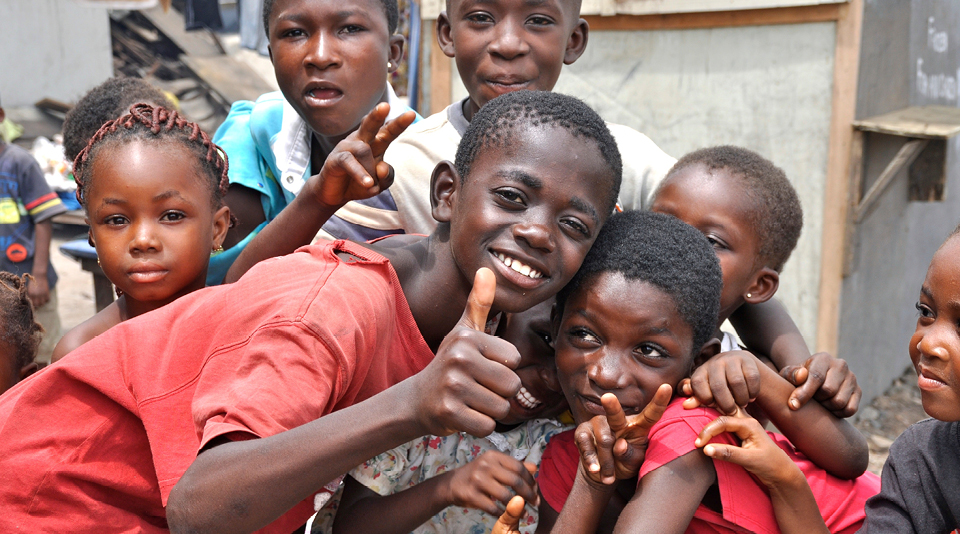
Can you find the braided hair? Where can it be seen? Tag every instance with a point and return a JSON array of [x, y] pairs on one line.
[[146, 122], [18, 329]]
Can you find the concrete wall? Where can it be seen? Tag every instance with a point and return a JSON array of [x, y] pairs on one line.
[[52, 48], [766, 88], [906, 59]]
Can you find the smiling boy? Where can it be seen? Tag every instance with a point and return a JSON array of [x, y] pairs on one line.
[[503, 46], [331, 59], [227, 410]]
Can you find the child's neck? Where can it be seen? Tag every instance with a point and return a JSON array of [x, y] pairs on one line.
[[130, 308], [432, 283]]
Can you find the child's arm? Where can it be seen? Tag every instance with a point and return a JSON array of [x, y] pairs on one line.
[[830, 442], [38, 289], [612, 448], [241, 486], [767, 328], [354, 170], [790, 495], [491, 478]]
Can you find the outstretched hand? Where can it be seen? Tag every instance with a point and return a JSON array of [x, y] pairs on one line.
[[470, 382], [826, 379], [613, 446], [509, 522], [355, 169], [728, 381]]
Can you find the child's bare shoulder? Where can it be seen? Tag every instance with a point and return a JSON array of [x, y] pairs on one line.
[[101, 322]]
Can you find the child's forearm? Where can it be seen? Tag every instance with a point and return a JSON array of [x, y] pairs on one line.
[[362, 511], [795, 507], [767, 328], [293, 228], [242, 486], [584, 507], [831, 443]]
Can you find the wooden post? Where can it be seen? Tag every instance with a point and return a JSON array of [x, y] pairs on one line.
[[440, 72], [837, 190]]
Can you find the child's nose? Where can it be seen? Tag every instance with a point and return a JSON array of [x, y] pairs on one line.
[[537, 234], [145, 238], [548, 374], [606, 372], [509, 42], [934, 341], [323, 52]]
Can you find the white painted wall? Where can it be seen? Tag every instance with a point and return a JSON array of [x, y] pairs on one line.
[[51, 48], [766, 88]]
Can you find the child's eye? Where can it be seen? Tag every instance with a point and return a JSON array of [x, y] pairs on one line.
[[352, 28], [115, 220], [584, 336], [510, 195], [652, 351], [717, 242], [577, 226], [545, 337], [295, 32], [173, 216], [480, 18], [924, 310], [540, 20]]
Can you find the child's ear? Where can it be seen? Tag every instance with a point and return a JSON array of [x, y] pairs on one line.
[[443, 35], [765, 284], [577, 42], [90, 234], [396, 52], [28, 370], [221, 223], [444, 184], [709, 349]]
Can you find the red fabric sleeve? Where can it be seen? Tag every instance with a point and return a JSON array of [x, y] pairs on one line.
[[558, 469]]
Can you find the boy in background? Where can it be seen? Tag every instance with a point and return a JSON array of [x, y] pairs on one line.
[[26, 206]]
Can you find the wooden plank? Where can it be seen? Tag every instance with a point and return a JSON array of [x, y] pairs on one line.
[[231, 79], [75, 217], [856, 184], [905, 156], [836, 191], [194, 43], [716, 19], [928, 122], [441, 70]]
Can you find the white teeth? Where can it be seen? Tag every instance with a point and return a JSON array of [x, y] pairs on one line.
[[518, 266], [527, 400]]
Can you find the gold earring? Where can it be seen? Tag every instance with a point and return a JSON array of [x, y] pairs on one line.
[[217, 250]]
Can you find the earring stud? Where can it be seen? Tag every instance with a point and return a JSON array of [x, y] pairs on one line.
[[749, 295]]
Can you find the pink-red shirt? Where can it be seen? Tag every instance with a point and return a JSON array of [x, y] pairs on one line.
[[746, 503], [96, 442]]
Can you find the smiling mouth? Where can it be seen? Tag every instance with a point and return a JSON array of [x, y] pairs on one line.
[[526, 399], [518, 266], [323, 94]]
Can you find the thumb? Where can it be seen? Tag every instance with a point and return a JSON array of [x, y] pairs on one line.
[[480, 300], [510, 519]]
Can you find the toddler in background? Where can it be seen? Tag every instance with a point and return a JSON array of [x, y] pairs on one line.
[[20, 334], [152, 186]]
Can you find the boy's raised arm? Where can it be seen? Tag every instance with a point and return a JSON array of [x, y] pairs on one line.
[[767, 329], [241, 486], [354, 170]]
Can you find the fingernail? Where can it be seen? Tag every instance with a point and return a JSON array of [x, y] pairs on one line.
[[708, 450], [794, 403], [697, 442]]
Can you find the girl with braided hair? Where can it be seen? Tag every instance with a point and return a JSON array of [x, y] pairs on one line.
[[20, 333], [152, 186]]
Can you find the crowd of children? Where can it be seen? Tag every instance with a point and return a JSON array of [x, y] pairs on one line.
[[476, 340]]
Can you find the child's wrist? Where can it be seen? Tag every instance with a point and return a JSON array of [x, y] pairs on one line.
[[595, 485]]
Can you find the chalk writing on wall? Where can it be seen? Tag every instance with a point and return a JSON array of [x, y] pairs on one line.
[[932, 83]]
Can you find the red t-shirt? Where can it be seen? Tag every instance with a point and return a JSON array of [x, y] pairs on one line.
[[746, 503], [96, 442]]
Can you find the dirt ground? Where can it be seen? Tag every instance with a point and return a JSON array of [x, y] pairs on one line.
[[75, 286]]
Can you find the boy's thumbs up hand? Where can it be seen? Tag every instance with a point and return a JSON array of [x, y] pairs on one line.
[[355, 169], [468, 384], [509, 522]]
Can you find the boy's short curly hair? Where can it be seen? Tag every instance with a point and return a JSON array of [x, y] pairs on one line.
[[18, 329], [777, 214], [665, 252], [103, 103], [390, 9], [496, 123]]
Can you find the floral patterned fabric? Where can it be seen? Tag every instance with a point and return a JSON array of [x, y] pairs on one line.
[[420, 459]]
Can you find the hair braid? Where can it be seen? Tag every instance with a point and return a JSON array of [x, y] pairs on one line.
[[155, 122]]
